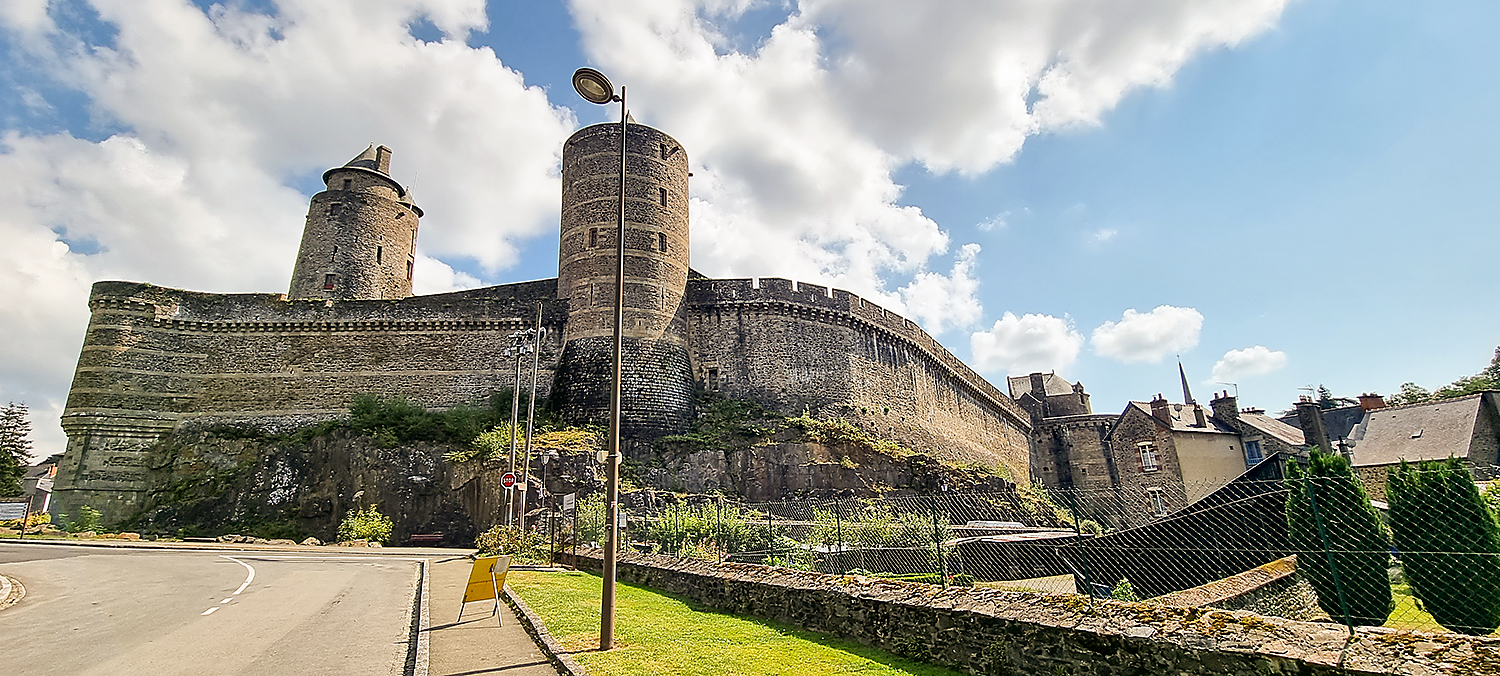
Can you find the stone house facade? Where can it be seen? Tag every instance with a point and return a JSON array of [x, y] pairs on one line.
[[155, 360]]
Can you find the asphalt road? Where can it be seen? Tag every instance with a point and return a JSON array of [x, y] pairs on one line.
[[101, 611]]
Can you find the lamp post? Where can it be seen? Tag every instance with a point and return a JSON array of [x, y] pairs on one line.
[[536, 352], [518, 349], [549, 456], [594, 87]]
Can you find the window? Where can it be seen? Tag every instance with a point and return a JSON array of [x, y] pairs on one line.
[[335, 209], [1148, 456], [593, 237], [713, 379], [379, 254], [348, 183], [1158, 502], [328, 282], [408, 270], [661, 242], [1253, 455], [334, 255], [664, 151], [662, 196]]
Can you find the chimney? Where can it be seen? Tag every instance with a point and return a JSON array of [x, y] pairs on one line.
[[383, 159], [1310, 418], [1371, 402], [1161, 410], [1225, 407], [1038, 387], [1198, 416]]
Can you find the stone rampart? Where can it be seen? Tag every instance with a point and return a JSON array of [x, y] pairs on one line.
[[155, 359], [797, 346], [987, 631]]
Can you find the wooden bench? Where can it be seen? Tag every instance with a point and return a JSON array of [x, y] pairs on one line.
[[425, 540]]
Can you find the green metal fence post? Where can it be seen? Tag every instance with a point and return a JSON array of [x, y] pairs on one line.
[[1333, 566], [937, 542]]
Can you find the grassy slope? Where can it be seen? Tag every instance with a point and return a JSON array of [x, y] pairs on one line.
[[660, 634]]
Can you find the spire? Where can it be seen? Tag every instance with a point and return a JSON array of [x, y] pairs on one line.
[[1187, 394]]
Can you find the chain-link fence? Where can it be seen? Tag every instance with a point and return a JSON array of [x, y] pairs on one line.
[[1313, 546]]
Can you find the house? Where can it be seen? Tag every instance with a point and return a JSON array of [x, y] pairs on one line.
[[36, 485], [1466, 427]]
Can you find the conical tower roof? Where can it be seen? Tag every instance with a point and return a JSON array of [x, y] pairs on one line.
[[370, 161]]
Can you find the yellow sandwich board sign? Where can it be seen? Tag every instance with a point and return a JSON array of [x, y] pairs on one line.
[[486, 579]]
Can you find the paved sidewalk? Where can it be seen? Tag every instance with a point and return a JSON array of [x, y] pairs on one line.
[[479, 645]]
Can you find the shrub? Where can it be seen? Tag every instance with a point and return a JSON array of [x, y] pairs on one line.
[[1449, 544], [1343, 536], [88, 520], [1123, 591], [522, 546], [365, 524]]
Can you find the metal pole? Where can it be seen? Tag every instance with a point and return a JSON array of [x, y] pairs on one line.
[[26, 518], [515, 404], [531, 413], [612, 469], [937, 540]]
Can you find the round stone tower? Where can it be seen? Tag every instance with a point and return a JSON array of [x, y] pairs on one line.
[[656, 390], [360, 240]]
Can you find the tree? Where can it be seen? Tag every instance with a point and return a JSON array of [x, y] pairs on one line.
[[1449, 544], [1341, 546], [1488, 378], [1327, 401], [1411, 393], [15, 448]]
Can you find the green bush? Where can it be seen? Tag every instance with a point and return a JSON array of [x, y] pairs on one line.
[[522, 546], [680, 527], [1357, 544], [88, 520], [365, 524], [1123, 591], [1449, 544]]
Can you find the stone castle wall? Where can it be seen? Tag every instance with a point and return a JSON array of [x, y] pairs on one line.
[[155, 359], [796, 346], [1073, 452]]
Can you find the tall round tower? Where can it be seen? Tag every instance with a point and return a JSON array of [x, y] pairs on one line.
[[360, 240], [656, 389]]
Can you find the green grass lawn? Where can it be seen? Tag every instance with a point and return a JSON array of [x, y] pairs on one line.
[[658, 633]]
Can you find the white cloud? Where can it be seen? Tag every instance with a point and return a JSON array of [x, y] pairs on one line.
[[434, 276], [218, 113], [997, 222], [794, 141], [939, 302], [1026, 344], [1148, 336], [1103, 235], [1251, 361]]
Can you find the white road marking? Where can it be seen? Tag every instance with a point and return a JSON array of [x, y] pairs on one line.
[[226, 600], [248, 579], [210, 611]]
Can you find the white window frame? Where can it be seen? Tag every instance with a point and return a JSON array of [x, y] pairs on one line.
[[1259, 452], [1157, 501], [1149, 460]]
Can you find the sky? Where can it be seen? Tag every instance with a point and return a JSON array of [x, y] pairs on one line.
[[1280, 193]]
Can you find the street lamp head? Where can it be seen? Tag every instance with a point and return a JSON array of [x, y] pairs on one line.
[[593, 86]]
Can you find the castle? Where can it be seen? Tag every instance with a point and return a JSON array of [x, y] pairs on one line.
[[156, 360]]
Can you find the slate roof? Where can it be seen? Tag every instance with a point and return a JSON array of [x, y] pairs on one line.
[[1051, 382], [1430, 431], [1274, 428], [1183, 419], [1338, 422]]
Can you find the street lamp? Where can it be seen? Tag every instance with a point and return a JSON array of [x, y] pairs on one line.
[[594, 87], [518, 349], [550, 456]]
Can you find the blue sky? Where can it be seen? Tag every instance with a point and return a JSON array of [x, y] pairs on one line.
[[1284, 194]]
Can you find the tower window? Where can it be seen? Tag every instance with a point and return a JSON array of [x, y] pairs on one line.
[[661, 242], [408, 270], [328, 282], [664, 151], [663, 196], [348, 184], [335, 209], [379, 254], [713, 379], [593, 237]]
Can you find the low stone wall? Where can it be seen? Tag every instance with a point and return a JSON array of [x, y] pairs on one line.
[[984, 631]]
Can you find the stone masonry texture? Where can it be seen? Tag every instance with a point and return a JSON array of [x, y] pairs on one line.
[[988, 631], [157, 360]]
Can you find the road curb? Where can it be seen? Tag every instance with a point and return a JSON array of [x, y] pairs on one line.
[[11, 591], [244, 547], [559, 656]]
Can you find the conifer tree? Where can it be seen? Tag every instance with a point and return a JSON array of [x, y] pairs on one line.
[[15, 448], [1341, 546], [1449, 544]]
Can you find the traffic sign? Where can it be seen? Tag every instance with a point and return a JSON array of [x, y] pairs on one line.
[[508, 480]]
